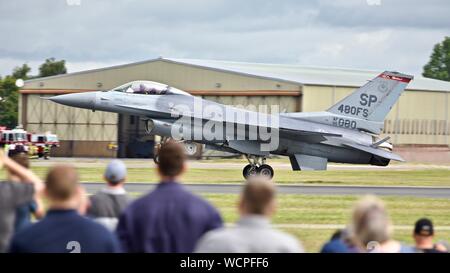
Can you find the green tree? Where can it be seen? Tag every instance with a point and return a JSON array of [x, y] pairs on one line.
[[9, 97], [52, 67], [21, 72], [9, 92], [439, 65]]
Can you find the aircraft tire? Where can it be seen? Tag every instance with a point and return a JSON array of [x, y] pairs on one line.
[[249, 170], [266, 171]]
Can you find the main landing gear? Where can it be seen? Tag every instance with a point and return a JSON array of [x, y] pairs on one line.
[[158, 147], [190, 148], [257, 166]]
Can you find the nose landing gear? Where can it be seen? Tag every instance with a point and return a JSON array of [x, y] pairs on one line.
[[257, 166]]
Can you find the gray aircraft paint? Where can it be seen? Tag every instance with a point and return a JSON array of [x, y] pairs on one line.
[[309, 139]]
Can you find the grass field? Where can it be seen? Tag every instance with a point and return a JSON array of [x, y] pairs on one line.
[[314, 218], [427, 177], [314, 214]]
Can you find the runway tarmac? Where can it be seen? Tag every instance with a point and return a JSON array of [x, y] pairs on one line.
[[431, 192], [277, 164]]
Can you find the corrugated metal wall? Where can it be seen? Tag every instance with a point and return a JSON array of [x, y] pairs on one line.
[[259, 103]]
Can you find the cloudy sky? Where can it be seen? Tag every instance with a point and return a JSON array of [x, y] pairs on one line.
[[367, 34]]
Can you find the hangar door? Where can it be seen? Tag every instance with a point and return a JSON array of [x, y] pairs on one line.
[[133, 141]]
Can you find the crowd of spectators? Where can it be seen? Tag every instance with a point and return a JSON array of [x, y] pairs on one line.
[[169, 219]]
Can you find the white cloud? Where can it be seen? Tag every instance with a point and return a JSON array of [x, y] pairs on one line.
[[348, 33]]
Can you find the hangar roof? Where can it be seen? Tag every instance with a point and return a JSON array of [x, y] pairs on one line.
[[303, 75], [310, 75]]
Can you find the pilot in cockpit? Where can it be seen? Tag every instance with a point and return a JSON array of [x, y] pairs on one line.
[[146, 89], [149, 88]]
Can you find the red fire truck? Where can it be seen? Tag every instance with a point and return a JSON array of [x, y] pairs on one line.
[[13, 140], [42, 143]]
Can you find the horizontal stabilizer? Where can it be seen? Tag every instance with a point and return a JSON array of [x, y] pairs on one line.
[[375, 151]]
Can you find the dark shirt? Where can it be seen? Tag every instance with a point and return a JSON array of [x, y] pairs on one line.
[[12, 196], [64, 231], [107, 203], [23, 215], [430, 250], [168, 219]]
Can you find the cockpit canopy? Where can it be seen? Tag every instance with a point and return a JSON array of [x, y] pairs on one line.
[[149, 88]]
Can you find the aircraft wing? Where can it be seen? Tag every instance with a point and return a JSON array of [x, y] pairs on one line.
[[288, 128], [375, 151], [304, 135]]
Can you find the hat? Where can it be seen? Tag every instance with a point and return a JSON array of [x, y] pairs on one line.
[[116, 171], [424, 227]]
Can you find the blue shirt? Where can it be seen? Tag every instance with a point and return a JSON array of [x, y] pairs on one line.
[[336, 246], [23, 215], [64, 231], [168, 219]]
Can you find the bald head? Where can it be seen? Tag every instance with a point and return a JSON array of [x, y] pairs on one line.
[[258, 196], [61, 182]]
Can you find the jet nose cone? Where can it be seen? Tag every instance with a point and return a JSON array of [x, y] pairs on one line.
[[81, 100]]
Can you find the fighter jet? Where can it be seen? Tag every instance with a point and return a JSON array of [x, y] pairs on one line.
[[348, 132]]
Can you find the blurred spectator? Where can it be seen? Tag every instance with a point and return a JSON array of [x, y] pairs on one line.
[[372, 229], [253, 232], [443, 246], [107, 205], [338, 243], [63, 229], [22, 187], [34, 208], [168, 219], [424, 235]]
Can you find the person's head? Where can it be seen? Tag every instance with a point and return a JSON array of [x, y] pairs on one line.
[[115, 173], [258, 197], [370, 222], [61, 186], [423, 233], [338, 234], [21, 159], [171, 160]]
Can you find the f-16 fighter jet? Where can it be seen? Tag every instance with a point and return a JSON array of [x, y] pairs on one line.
[[348, 132]]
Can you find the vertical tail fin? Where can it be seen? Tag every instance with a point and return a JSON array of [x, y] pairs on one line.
[[375, 99]]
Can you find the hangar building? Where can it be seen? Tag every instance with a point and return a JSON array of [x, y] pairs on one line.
[[421, 117]]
